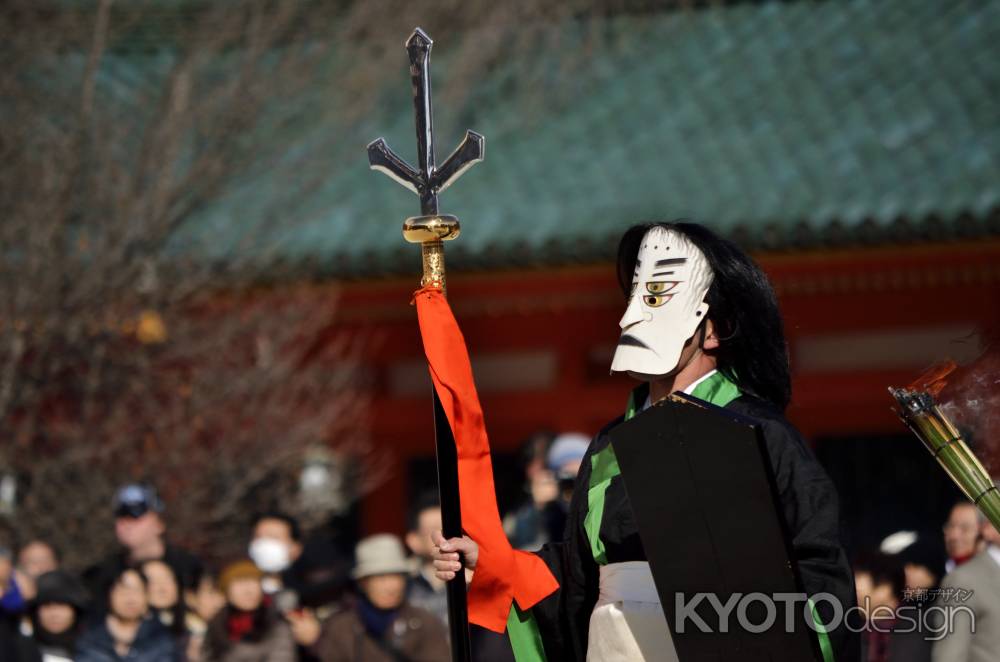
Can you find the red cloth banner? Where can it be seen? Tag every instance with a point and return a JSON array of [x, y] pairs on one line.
[[502, 574]]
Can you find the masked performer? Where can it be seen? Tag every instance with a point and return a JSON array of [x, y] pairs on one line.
[[702, 319]]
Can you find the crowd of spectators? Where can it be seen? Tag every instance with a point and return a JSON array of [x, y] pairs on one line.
[[922, 608], [294, 598], [291, 598], [151, 600]]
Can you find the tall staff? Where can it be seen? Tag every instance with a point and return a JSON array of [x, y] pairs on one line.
[[431, 229]]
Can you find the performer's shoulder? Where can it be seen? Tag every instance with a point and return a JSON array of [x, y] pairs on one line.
[[777, 429], [602, 439], [603, 433], [754, 407], [608, 427]]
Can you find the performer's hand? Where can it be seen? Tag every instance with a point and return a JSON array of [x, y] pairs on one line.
[[446, 556]]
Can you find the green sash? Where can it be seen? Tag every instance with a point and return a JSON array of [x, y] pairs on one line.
[[716, 389]]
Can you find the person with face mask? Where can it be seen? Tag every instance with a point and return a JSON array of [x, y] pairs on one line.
[[700, 318], [275, 546], [276, 549]]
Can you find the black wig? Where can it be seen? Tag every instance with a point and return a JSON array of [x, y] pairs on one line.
[[742, 306]]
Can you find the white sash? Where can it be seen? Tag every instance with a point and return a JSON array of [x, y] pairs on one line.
[[627, 624]]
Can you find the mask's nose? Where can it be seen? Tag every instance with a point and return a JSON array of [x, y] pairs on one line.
[[633, 313]]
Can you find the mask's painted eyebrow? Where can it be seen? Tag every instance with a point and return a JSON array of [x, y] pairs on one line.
[[670, 262], [663, 273]]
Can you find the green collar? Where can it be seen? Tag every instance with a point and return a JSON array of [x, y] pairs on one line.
[[716, 389]]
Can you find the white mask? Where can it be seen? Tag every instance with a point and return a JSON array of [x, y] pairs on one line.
[[269, 555], [665, 307]]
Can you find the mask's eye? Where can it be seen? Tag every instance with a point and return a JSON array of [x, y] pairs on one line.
[[661, 286], [659, 292], [656, 300]]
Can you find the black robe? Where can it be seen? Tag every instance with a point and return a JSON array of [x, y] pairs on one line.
[[809, 500]]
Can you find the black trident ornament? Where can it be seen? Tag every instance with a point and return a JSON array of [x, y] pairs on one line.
[[430, 230]]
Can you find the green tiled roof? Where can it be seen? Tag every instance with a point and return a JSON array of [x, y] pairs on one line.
[[780, 123]]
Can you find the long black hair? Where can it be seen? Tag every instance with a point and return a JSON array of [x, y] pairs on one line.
[[174, 616], [742, 306]]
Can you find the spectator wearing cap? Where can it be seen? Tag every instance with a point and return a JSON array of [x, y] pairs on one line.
[[523, 524], [543, 518], [380, 626], [57, 615], [140, 530], [247, 629]]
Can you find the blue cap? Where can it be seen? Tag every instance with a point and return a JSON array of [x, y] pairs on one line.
[[135, 500], [568, 447]]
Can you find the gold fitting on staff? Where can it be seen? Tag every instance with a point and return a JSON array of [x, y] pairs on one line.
[[432, 253], [421, 229]]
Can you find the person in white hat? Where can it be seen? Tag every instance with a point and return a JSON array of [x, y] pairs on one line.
[[381, 625]]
